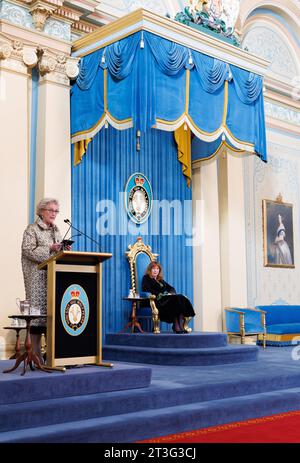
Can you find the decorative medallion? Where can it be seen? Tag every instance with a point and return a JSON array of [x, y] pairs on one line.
[[138, 197], [74, 310]]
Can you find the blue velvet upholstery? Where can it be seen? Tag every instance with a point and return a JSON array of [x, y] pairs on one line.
[[144, 312], [282, 323], [141, 263], [244, 322], [276, 314]]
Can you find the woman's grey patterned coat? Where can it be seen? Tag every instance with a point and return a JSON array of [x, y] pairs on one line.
[[37, 239]]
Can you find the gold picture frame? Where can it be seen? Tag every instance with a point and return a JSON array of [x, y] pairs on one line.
[[278, 236]]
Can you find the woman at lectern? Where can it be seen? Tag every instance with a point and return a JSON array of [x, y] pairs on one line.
[[172, 307], [41, 240]]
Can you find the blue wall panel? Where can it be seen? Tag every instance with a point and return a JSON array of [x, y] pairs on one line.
[[98, 184]]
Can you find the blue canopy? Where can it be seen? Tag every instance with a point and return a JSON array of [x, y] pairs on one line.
[[145, 81]]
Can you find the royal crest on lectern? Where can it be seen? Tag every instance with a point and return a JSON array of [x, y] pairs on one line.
[[74, 310], [138, 197]]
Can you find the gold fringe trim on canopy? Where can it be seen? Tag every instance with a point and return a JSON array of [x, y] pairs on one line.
[[182, 137], [80, 148]]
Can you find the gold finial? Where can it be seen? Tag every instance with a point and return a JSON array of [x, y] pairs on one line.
[[279, 198]]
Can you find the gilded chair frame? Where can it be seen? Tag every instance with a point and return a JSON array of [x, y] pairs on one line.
[[133, 251]]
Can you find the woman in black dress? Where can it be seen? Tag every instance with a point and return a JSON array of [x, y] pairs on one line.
[[172, 307]]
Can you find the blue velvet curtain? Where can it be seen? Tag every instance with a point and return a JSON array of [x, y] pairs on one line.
[[98, 209], [146, 80]]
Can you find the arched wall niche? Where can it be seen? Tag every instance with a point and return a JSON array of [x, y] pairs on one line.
[[289, 11], [270, 39], [271, 29]]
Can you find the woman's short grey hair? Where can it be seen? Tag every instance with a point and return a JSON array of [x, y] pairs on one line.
[[44, 203]]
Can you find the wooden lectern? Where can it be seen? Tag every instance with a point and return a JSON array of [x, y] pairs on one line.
[[74, 308]]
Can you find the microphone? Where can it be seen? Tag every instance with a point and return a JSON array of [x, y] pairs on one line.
[[81, 232]]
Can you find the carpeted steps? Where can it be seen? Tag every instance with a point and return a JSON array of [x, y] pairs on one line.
[[176, 349], [213, 394], [15, 388], [161, 394], [158, 422], [132, 402]]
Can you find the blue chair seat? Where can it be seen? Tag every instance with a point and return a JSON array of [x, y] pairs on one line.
[[251, 328], [284, 328]]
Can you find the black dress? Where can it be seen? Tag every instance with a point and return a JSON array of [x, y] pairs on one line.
[[169, 305]]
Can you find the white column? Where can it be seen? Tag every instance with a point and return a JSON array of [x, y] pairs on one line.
[[53, 167], [232, 231], [207, 279], [14, 135]]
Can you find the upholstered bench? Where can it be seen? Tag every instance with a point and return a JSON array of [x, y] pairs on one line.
[[282, 323]]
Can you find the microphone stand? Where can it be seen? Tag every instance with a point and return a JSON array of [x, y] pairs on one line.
[[66, 233], [84, 234]]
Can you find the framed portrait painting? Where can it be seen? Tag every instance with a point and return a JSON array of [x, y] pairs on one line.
[[278, 234]]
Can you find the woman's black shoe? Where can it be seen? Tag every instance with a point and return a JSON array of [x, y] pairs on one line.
[[176, 331]]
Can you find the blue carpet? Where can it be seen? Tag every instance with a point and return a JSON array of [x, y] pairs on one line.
[[179, 398], [15, 388], [176, 349], [168, 340]]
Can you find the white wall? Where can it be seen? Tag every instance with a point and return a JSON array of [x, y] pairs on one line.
[[14, 108], [267, 285]]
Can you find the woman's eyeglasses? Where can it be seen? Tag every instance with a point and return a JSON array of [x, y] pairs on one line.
[[52, 210]]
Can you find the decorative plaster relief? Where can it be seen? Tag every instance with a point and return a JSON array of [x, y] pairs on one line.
[[265, 43], [47, 63], [5, 50], [14, 55], [16, 14], [58, 29], [38, 20], [30, 57], [39, 15], [282, 113]]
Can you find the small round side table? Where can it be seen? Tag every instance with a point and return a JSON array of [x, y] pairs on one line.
[[17, 346], [28, 357]]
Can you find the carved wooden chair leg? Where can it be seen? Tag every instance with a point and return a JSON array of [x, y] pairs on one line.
[[264, 340], [242, 328], [155, 316]]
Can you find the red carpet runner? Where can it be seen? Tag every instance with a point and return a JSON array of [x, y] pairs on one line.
[[282, 428]]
